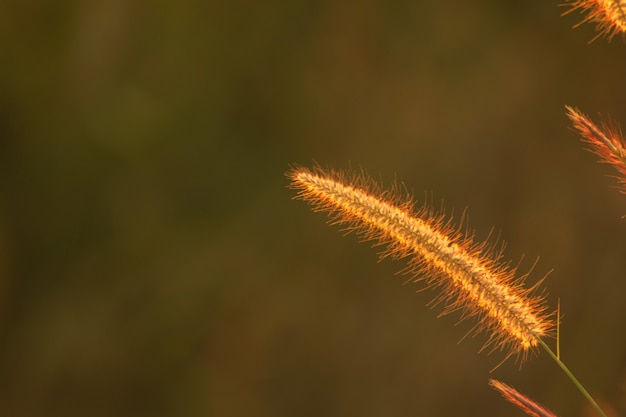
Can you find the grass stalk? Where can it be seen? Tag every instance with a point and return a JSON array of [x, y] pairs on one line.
[[571, 376]]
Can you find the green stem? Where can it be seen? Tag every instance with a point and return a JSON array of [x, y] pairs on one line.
[[573, 378]]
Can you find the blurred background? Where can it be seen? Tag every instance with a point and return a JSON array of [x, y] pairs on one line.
[[153, 263]]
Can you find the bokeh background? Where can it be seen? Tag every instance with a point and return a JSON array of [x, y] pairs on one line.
[[153, 263]]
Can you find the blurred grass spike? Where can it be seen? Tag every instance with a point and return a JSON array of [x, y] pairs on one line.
[[605, 141], [518, 399], [608, 15], [470, 274]]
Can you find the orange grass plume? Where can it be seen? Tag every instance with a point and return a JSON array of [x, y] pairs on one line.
[[605, 141], [520, 400], [470, 275], [608, 15]]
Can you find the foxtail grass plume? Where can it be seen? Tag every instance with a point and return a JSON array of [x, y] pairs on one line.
[[608, 15], [471, 276], [605, 141], [518, 399]]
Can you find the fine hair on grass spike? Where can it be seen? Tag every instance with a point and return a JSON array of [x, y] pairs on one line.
[[608, 15], [605, 141], [471, 276], [520, 400]]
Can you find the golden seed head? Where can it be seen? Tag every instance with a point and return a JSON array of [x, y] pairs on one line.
[[608, 15], [614, 12], [469, 274]]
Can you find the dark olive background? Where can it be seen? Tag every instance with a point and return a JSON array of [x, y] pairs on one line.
[[153, 263]]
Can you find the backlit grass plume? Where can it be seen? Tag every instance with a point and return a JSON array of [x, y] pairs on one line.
[[518, 399], [470, 275], [605, 141], [608, 15]]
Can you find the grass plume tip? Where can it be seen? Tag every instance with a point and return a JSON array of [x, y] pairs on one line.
[[521, 401], [605, 141], [470, 275]]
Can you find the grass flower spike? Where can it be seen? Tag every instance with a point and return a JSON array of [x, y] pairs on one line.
[[608, 15], [518, 399], [605, 141], [470, 274]]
